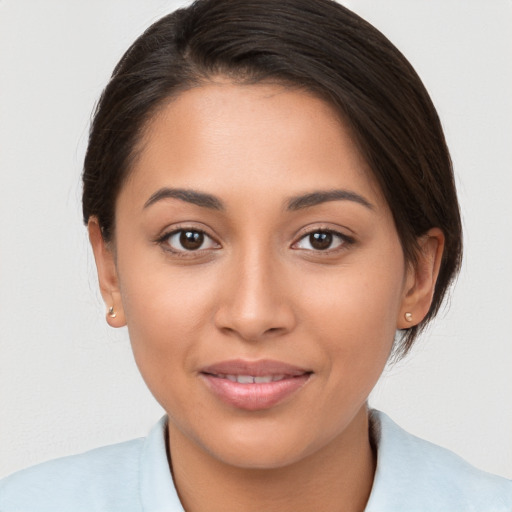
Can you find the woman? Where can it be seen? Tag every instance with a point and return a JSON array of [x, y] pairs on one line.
[[269, 198]]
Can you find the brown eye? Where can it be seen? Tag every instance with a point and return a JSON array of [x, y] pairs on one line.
[[320, 240], [187, 240], [191, 240], [323, 241]]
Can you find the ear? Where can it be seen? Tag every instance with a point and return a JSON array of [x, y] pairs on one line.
[[420, 281], [107, 274]]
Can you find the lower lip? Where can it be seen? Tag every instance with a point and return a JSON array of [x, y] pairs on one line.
[[255, 396]]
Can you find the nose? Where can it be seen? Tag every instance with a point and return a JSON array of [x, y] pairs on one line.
[[256, 302]]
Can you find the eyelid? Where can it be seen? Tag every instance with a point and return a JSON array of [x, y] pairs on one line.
[[162, 240], [347, 240]]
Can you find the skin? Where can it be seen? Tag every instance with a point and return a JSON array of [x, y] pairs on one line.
[[258, 289]]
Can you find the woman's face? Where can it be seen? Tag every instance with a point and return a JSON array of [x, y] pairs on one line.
[[259, 271]]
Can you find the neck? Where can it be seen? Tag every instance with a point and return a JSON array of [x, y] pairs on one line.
[[336, 478]]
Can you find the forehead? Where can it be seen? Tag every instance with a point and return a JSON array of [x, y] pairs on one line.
[[249, 138]]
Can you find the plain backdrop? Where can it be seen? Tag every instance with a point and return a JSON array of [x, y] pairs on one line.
[[68, 382]]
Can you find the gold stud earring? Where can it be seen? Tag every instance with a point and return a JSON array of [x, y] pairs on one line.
[[408, 317], [111, 312]]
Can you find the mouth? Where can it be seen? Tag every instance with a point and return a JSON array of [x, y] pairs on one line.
[[251, 379], [254, 385]]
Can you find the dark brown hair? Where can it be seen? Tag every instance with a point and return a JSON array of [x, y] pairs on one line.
[[317, 45]]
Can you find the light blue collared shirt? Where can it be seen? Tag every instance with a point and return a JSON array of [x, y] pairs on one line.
[[412, 475]]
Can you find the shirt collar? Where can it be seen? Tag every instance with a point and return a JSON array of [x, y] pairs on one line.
[[415, 475], [157, 490], [158, 493], [406, 477]]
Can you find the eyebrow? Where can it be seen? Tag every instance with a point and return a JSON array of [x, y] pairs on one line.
[[323, 196], [187, 195], [294, 203]]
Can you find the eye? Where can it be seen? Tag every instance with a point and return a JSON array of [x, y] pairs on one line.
[[322, 240], [188, 240]]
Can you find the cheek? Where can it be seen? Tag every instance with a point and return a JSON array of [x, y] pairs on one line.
[[166, 310], [160, 297], [352, 319], [353, 312]]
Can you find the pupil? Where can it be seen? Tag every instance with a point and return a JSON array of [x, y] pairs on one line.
[[191, 240], [320, 241]]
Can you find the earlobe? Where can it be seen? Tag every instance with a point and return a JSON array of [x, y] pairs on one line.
[[107, 275], [421, 280]]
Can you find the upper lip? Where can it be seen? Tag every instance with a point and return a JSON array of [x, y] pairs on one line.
[[254, 368]]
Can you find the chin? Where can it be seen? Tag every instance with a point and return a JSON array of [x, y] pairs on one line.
[[258, 447], [265, 456]]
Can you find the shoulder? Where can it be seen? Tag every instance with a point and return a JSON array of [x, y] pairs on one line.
[[104, 479], [421, 476], [125, 477]]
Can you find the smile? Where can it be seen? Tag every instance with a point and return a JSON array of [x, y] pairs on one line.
[[252, 379], [254, 386]]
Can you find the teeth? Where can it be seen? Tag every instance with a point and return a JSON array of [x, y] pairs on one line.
[[261, 380], [249, 379], [245, 379]]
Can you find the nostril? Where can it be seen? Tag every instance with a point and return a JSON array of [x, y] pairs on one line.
[[252, 319]]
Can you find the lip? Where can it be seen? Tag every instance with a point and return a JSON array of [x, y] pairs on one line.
[[257, 395]]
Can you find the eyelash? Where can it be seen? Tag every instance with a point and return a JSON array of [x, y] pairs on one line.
[[345, 241], [163, 241]]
